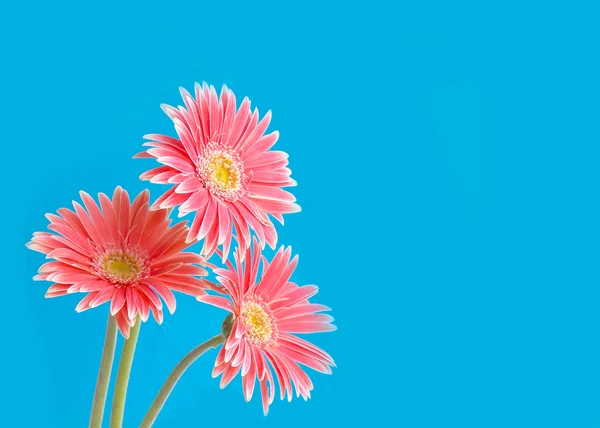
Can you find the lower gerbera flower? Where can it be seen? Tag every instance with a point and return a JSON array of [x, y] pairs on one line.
[[266, 313], [125, 254]]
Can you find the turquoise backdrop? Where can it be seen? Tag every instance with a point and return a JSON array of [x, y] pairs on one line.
[[447, 160]]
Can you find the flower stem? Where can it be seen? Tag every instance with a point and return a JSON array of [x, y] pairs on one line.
[[118, 407], [177, 372], [106, 362]]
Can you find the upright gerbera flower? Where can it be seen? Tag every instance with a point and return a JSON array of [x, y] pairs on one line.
[[266, 313], [221, 169], [125, 254]]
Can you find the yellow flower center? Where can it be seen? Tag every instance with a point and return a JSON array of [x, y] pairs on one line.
[[224, 173], [255, 316], [120, 268], [221, 170], [121, 265]]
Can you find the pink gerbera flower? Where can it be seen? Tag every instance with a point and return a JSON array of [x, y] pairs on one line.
[[125, 254], [266, 313], [221, 169]]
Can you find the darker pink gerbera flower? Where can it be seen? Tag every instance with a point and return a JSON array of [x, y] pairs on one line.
[[125, 254], [221, 169], [266, 314]]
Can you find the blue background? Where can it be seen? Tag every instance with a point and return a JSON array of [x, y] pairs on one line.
[[447, 161]]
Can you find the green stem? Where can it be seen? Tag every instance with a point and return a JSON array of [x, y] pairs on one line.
[[177, 372], [118, 407], [106, 362]]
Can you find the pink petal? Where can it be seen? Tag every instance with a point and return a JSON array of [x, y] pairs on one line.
[[84, 304], [195, 202], [190, 185], [217, 301], [164, 293], [178, 163], [118, 300]]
